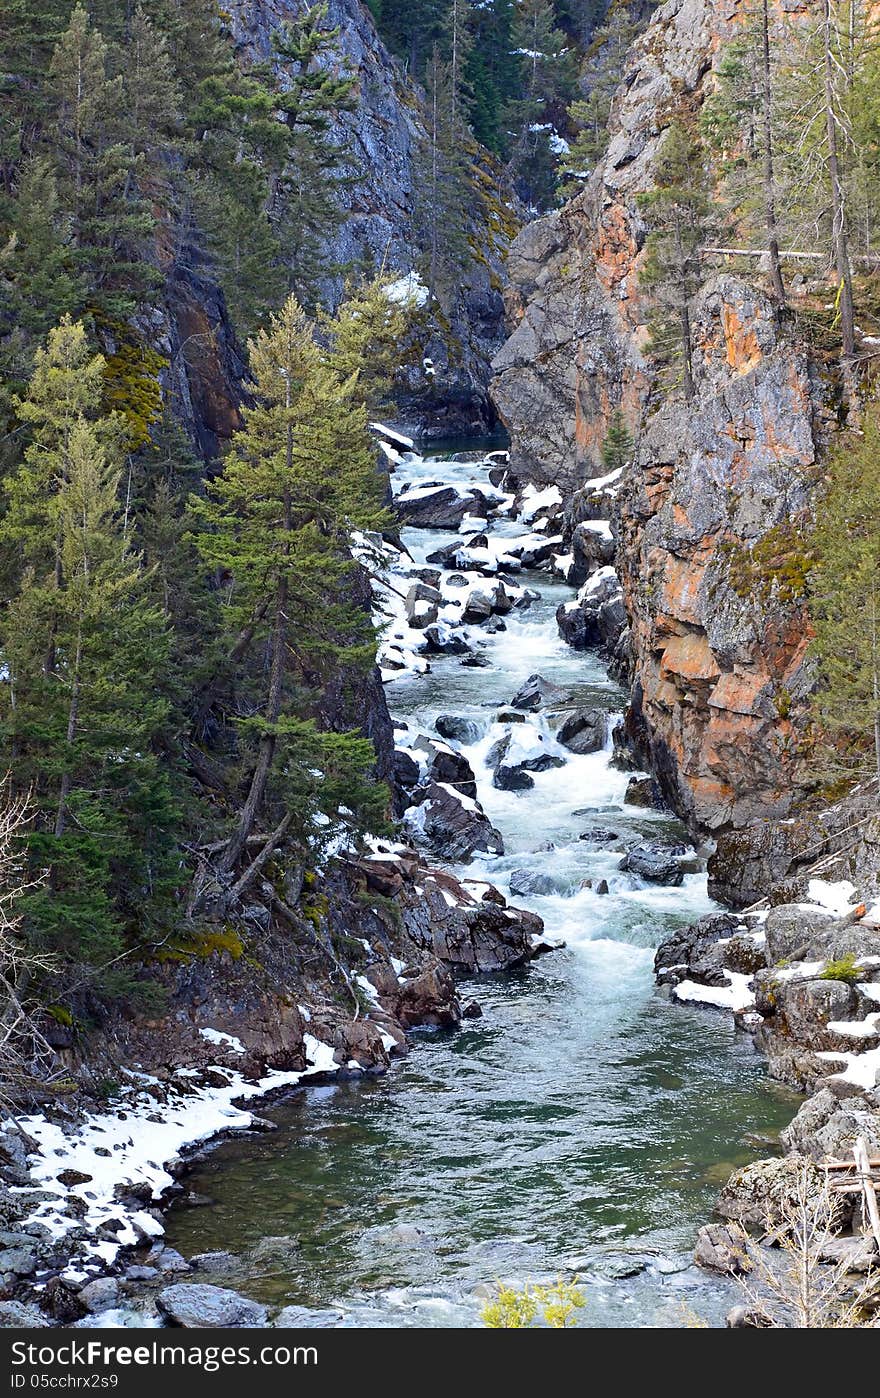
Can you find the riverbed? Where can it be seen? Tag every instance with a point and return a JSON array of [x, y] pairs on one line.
[[581, 1126]]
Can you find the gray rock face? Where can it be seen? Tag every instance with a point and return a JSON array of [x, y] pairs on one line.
[[719, 665], [792, 931], [100, 1295], [826, 1127], [378, 226], [202, 1307]]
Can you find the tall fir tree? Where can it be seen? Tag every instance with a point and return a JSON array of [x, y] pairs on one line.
[[845, 607], [677, 211]]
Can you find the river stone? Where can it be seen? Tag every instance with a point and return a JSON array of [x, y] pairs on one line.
[[722, 1248], [16, 1315], [422, 605], [198, 1306], [453, 827], [302, 1318], [537, 693], [526, 882], [599, 835], [792, 929], [855, 1254], [760, 1194], [100, 1295], [437, 642], [20, 1260], [656, 863], [512, 779], [642, 791], [406, 770], [583, 731], [443, 507], [457, 729]]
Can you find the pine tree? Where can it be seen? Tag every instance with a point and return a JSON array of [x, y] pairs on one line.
[[300, 476], [98, 172], [618, 444], [548, 70], [677, 211], [84, 649], [845, 606], [365, 335], [588, 115]]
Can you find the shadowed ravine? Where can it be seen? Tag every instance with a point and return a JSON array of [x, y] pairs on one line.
[[583, 1124]]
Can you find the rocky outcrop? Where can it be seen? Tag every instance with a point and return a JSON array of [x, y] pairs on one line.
[[706, 516], [445, 390]]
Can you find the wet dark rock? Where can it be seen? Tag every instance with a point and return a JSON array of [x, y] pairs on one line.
[[457, 729], [437, 642], [583, 731], [476, 662], [656, 863], [602, 887], [454, 828], [471, 1010], [406, 770], [688, 945], [512, 779], [526, 882], [599, 835], [538, 693], [198, 1306], [443, 507], [643, 791]]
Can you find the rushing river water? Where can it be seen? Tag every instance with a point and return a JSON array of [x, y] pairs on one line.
[[582, 1125]]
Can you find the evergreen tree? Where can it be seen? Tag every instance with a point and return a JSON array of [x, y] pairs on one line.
[[677, 211], [300, 476], [365, 337], [444, 189], [845, 606], [99, 171], [84, 649], [739, 122], [588, 115], [618, 444], [548, 71]]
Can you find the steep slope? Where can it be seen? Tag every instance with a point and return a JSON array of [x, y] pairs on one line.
[[706, 527]]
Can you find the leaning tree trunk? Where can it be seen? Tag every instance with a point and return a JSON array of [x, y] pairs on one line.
[[776, 282], [839, 239]]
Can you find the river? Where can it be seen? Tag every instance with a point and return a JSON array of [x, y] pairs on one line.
[[582, 1126]]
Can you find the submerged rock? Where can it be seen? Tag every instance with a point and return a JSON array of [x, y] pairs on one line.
[[457, 729]]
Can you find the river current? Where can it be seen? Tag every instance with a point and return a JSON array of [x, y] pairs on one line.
[[582, 1126]]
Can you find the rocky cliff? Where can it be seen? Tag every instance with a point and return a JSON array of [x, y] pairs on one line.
[[446, 379], [707, 517]]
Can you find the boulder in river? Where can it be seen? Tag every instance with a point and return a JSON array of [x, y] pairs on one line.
[[440, 640], [198, 1306], [457, 729], [723, 1248], [422, 605], [527, 882], [583, 731], [438, 507], [451, 824], [656, 863], [538, 693]]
